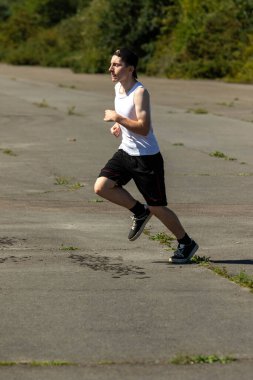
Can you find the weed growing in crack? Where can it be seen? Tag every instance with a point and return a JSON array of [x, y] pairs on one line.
[[62, 181], [219, 154], [71, 110], [96, 200], [42, 104], [162, 237], [242, 279], [9, 152], [52, 363], [76, 186], [198, 111], [201, 359], [65, 181], [69, 248], [200, 260]]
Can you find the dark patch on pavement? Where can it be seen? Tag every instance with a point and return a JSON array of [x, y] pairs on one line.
[[10, 241], [106, 264], [14, 259]]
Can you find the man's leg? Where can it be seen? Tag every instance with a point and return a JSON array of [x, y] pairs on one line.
[[186, 246], [108, 189], [169, 219]]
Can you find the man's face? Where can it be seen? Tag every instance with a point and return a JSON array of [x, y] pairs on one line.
[[118, 69]]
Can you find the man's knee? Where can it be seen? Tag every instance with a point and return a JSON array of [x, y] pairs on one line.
[[103, 184], [98, 186]]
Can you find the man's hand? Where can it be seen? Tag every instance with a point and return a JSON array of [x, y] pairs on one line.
[[110, 115], [115, 130]]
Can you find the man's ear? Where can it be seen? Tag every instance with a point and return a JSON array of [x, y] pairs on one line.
[[131, 69]]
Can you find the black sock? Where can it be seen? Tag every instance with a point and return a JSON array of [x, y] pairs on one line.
[[185, 240], [138, 209]]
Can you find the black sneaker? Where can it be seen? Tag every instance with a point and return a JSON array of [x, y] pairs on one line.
[[184, 253], [138, 224]]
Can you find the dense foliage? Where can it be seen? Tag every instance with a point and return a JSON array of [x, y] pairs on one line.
[[176, 38]]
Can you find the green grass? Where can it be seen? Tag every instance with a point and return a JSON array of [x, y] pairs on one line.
[[34, 363], [162, 238], [219, 154], [42, 104], [71, 110], [68, 248], [76, 186], [97, 200], [242, 278], [65, 181], [52, 363], [226, 104], [198, 111], [72, 87], [201, 359], [9, 152], [62, 181], [243, 174], [200, 259], [178, 144]]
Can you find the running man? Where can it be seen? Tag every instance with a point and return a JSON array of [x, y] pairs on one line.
[[138, 157]]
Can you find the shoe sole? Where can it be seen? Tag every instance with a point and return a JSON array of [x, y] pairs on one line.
[[183, 261], [141, 229]]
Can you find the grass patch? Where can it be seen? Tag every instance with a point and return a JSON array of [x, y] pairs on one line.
[[201, 359], [162, 238], [42, 104], [242, 279], [198, 111], [34, 363], [178, 144], [72, 87], [219, 154], [71, 110], [65, 181], [226, 104], [69, 248], [243, 174], [62, 181], [200, 259], [106, 362], [76, 186], [96, 200], [9, 152], [7, 364], [52, 363]]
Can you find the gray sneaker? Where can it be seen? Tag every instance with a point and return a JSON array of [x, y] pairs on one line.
[[138, 224], [184, 253]]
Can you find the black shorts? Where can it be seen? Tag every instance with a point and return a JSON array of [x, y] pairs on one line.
[[146, 171]]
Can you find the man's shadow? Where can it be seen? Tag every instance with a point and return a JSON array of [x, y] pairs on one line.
[[224, 261], [237, 261]]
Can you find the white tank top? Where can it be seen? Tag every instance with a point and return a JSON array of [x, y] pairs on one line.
[[133, 143]]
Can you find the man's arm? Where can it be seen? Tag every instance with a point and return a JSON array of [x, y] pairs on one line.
[[140, 126]]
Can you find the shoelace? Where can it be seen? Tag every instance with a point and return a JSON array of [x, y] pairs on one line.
[[179, 250], [135, 218], [134, 222]]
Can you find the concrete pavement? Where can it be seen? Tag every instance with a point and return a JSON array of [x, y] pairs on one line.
[[73, 289]]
